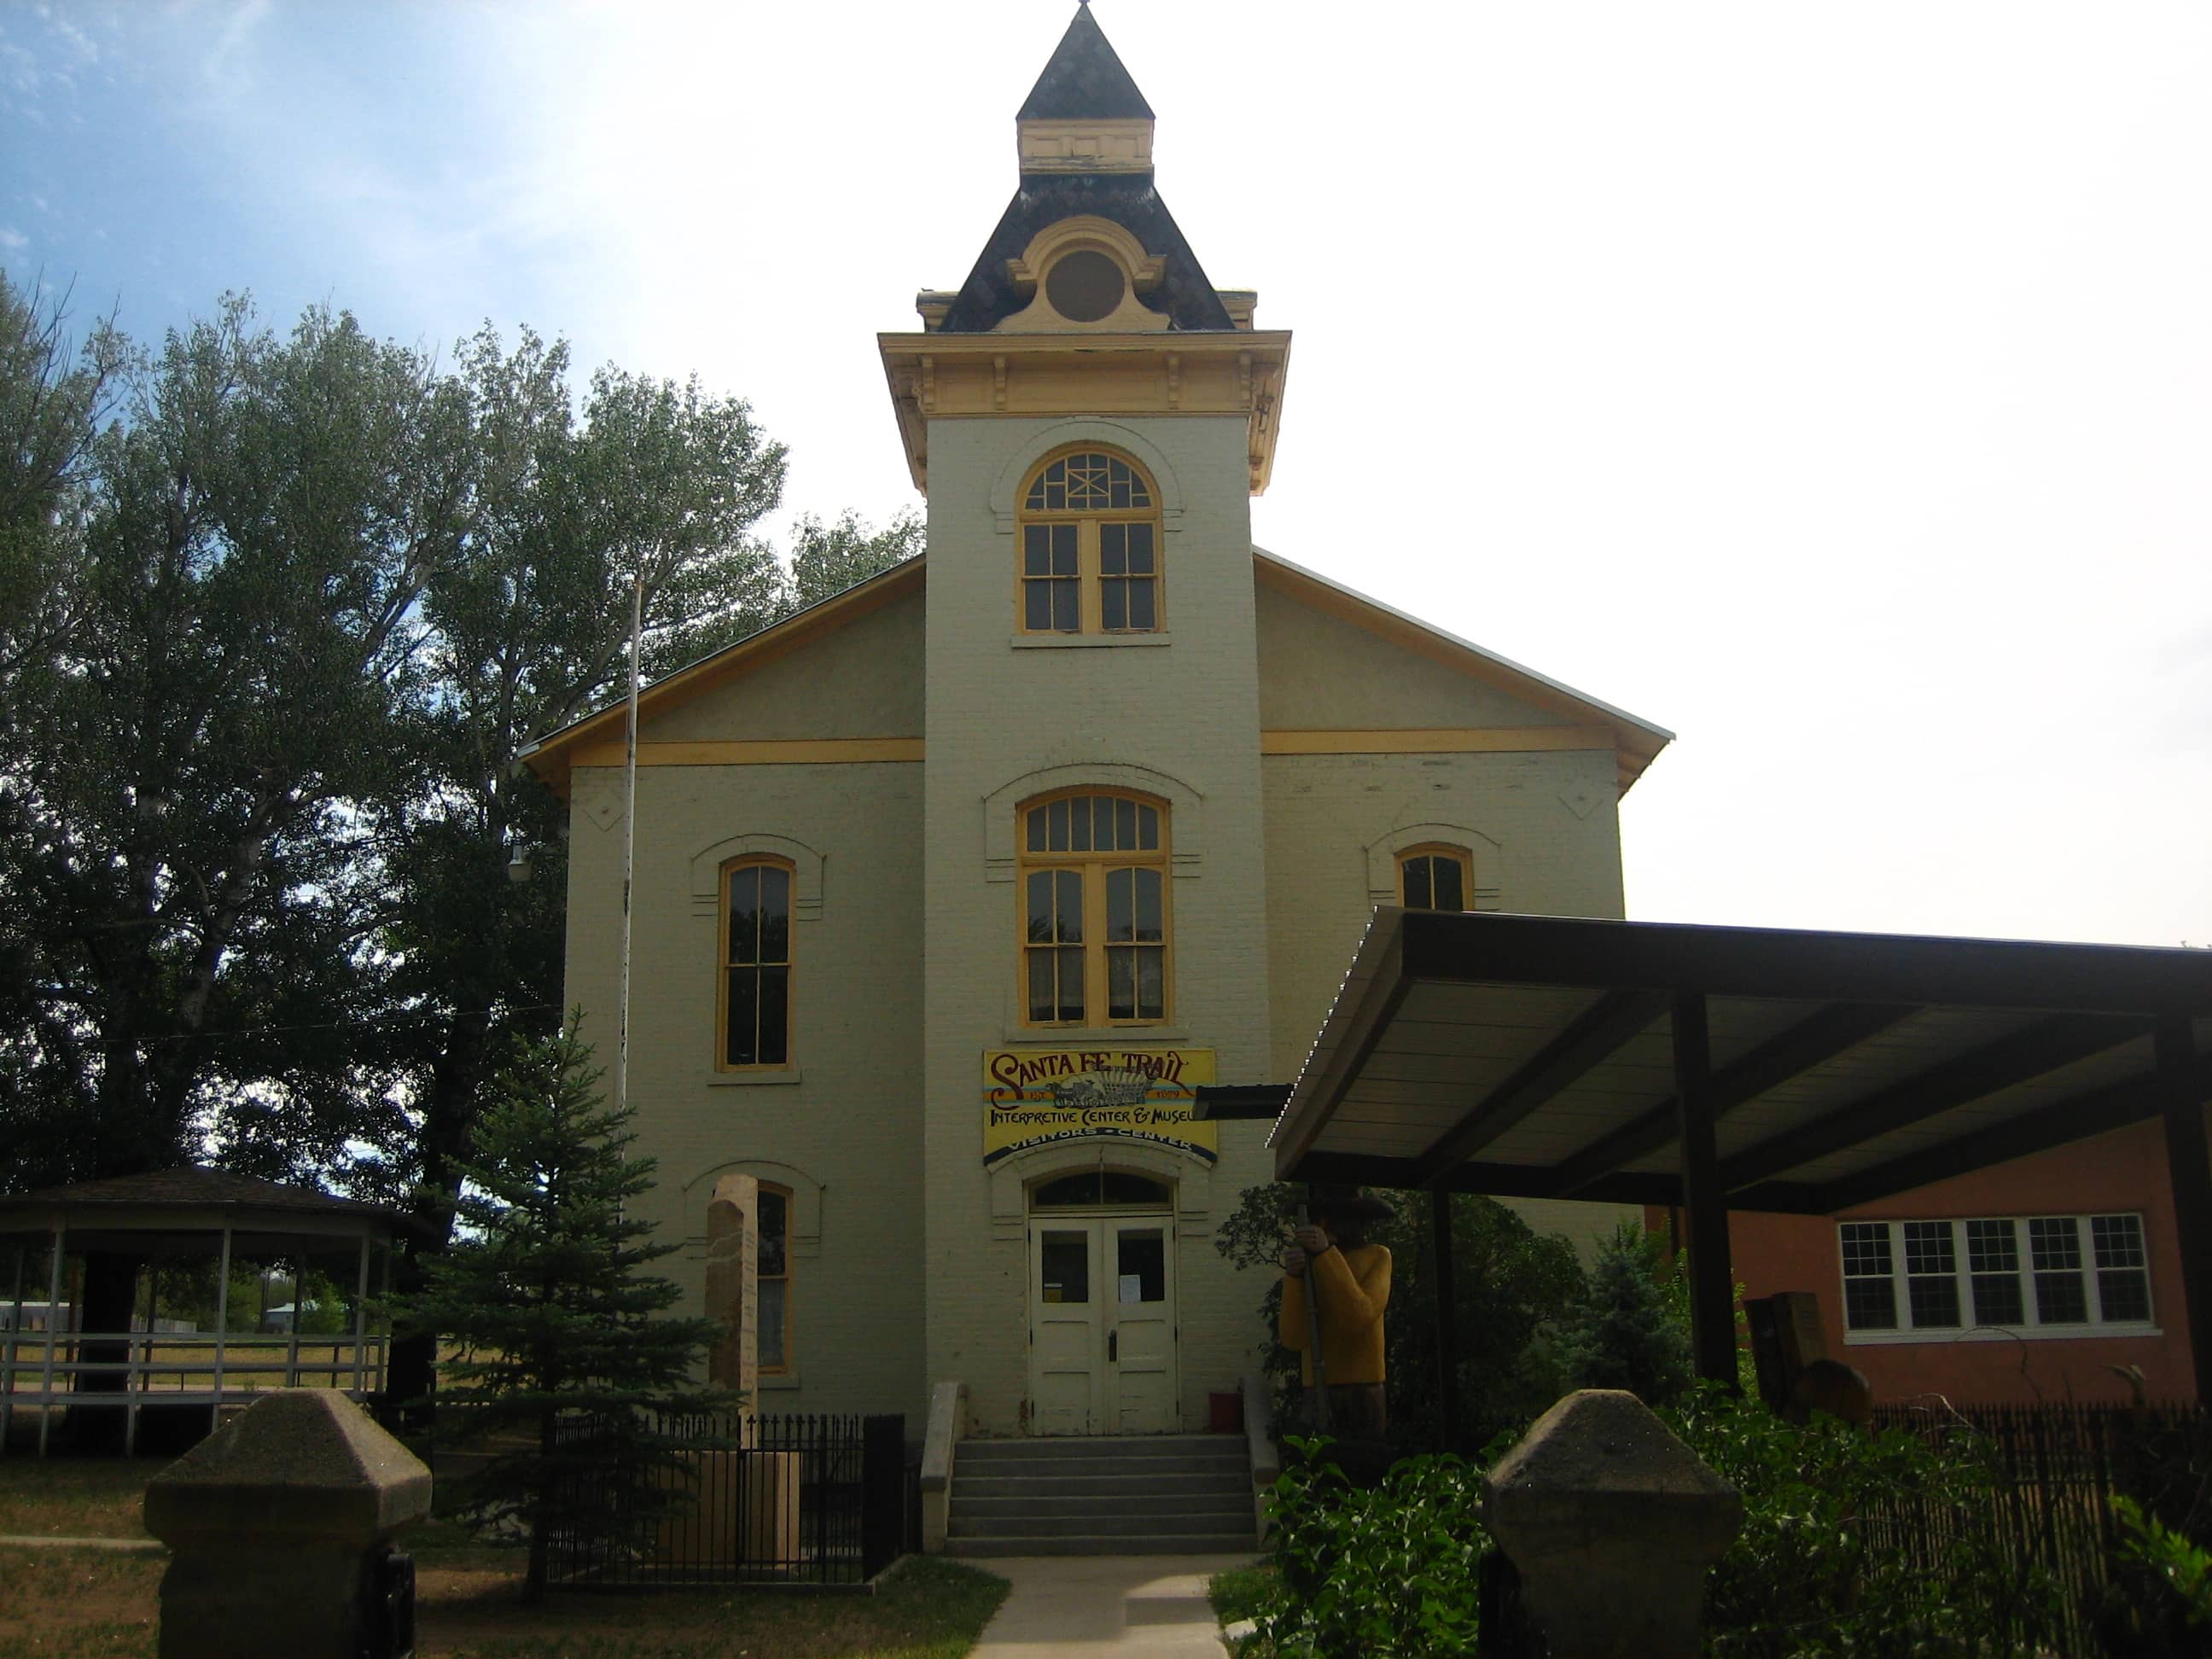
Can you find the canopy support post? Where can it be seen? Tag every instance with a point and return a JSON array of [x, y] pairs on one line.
[[53, 1313], [1712, 1279], [1447, 1319], [2189, 1173]]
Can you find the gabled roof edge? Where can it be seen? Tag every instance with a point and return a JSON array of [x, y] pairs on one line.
[[1656, 736], [547, 755]]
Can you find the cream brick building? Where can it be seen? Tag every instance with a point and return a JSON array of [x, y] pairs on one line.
[[950, 890]]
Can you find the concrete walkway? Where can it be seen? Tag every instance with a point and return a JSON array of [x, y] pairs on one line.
[[1131, 1607]]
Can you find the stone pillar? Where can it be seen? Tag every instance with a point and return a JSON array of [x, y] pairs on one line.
[[734, 1285], [278, 1525], [1612, 1523]]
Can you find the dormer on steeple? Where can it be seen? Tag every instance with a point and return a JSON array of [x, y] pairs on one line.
[[1085, 114]]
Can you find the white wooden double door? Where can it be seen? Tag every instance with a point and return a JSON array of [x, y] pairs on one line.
[[1102, 1325]]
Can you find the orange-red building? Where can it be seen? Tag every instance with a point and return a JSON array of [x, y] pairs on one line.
[[2060, 1272]]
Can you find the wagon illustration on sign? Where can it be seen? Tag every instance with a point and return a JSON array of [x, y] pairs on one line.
[[1033, 1097]]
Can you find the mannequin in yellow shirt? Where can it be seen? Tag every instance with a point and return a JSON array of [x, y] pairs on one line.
[[1352, 1283]]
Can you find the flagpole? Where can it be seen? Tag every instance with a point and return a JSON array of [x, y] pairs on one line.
[[630, 839]]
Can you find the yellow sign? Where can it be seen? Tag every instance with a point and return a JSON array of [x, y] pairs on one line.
[[1033, 1095]]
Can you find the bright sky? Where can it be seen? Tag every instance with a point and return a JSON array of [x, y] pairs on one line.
[[1831, 385]]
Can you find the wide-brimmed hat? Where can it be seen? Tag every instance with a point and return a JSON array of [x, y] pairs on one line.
[[1347, 1204]]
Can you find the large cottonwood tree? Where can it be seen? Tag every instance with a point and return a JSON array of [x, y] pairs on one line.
[[657, 485], [270, 644], [178, 827]]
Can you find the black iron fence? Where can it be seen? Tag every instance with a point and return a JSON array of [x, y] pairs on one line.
[[2056, 1470], [818, 1500]]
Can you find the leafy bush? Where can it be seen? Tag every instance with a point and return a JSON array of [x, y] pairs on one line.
[[1386, 1572], [1625, 1334], [1857, 1543], [2162, 1589], [1853, 1544]]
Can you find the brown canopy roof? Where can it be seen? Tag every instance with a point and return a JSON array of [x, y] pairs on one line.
[[1532, 1056], [1745, 1068]]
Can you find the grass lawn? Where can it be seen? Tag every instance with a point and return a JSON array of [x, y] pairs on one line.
[[74, 1497], [1241, 1592], [82, 1604], [87, 1604]]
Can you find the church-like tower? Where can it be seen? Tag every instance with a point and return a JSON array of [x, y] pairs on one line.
[[1089, 417]]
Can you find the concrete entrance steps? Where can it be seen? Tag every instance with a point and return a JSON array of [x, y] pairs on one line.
[[1153, 1494]]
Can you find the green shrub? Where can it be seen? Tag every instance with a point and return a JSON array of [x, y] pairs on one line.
[[1858, 1543], [2160, 1594], [1853, 1544], [1625, 1334], [1389, 1573]]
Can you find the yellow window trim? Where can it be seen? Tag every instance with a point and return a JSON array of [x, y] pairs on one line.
[[1462, 856], [1089, 580], [790, 1202], [1094, 865], [729, 866]]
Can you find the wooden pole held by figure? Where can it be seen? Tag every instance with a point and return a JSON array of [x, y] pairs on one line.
[[1314, 1335]]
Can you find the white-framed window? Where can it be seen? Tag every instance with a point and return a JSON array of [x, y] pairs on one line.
[[2045, 1275]]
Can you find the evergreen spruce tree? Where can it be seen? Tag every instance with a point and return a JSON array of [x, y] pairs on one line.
[[1625, 1335], [564, 1363]]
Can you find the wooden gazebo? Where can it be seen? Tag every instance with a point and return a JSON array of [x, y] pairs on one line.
[[1720, 1068], [164, 1216]]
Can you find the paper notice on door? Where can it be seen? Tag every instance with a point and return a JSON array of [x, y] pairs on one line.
[[1132, 1287]]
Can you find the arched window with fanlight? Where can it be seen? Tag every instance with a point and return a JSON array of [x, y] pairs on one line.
[[1095, 923], [1090, 534]]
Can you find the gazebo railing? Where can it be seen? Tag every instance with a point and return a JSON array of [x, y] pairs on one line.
[[177, 1368]]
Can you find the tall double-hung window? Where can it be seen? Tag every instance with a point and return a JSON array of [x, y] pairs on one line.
[[755, 997], [1095, 923], [1090, 535]]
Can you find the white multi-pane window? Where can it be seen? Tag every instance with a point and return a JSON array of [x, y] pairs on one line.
[[2033, 1275]]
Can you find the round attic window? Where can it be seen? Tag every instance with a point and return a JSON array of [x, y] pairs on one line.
[[1084, 286]]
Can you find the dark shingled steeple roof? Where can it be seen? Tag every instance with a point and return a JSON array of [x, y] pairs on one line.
[[1085, 79]]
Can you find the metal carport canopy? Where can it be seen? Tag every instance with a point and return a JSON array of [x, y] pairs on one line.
[[1550, 1057]]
